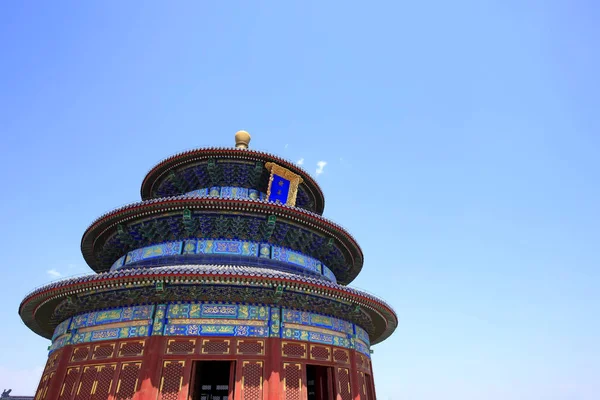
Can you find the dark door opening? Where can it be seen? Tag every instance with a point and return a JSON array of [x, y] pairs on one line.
[[319, 382], [212, 380]]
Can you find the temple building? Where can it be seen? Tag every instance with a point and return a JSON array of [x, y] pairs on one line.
[[224, 282]]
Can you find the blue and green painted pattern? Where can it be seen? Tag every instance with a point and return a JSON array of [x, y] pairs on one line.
[[225, 247], [229, 247], [229, 192], [209, 319], [217, 320], [61, 329], [293, 257], [157, 250], [111, 316], [96, 335]]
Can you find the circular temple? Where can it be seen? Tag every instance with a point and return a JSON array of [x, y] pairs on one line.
[[224, 282]]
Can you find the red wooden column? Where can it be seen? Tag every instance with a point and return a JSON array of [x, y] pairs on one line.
[[273, 370], [59, 376], [151, 369], [354, 376]]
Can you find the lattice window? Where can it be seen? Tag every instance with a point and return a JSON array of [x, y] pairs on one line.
[[131, 349], [128, 379], [69, 383], [362, 387], [340, 356], [52, 361], [80, 354], [181, 346], [215, 346], [103, 351], [86, 383], [172, 378], [360, 360], [293, 350], [43, 387], [250, 347], [344, 384], [292, 381], [252, 376], [320, 353], [103, 384]]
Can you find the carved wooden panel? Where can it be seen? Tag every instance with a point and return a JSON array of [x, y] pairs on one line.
[[86, 383], [131, 349], [171, 380], [250, 347], [341, 356], [104, 380], [343, 379], [180, 346], [292, 381], [215, 346], [128, 380], [293, 350], [252, 380], [68, 385], [43, 386], [321, 353], [102, 351], [80, 354]]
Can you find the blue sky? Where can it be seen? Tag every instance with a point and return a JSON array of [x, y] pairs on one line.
[[461, 146]]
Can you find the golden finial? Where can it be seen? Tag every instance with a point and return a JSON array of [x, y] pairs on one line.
[[242, 139]]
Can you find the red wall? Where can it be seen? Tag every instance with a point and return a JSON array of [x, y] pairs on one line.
[[161, 367]]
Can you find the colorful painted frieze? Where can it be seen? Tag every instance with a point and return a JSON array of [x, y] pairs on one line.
[[215, 191], [254, 194], [198, 193], [218, 329], [112, 316], [231, 247], [158, 250], [189, 246], [329, 274], [215, 310], [323, 337], [264, 250], [159, 319], [60, 342], [118, 264], [131, 331], [362, 348], [316, 320], [275, 322], [362, 335], [61, 329], [293, 257]]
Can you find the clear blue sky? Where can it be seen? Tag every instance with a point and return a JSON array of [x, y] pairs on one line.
[[462, 147]]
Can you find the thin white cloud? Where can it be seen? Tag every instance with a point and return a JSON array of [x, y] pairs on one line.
[[300, 161], [54, 273], [320, 166], [286, 146]]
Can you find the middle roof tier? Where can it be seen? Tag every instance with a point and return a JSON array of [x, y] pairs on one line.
[[174, 219]]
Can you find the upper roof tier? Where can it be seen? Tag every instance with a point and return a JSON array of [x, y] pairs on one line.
[[204, 168]]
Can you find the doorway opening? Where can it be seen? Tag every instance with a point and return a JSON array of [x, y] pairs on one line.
[[212, 380], [319, 382]]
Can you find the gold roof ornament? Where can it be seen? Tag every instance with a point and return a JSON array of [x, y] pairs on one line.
[[242, 139]]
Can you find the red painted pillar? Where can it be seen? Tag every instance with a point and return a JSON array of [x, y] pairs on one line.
[[355, 387], [59, 375], [151, 369], [273, 370]]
